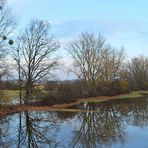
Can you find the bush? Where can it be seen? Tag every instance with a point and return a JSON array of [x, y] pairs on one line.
[[7, 85], [63, 92]]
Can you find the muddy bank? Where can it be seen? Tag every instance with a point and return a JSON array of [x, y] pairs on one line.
[[10, 109]]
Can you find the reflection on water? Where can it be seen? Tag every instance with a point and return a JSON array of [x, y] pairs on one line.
[[99, 128], [121, 123], [29, 129]]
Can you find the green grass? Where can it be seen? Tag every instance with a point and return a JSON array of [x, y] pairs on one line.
[[9, 93], [135, 94], [132, 95]]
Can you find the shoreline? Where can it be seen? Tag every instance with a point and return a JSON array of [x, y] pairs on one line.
[[10, 109]]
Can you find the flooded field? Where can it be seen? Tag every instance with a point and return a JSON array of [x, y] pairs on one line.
[[120, 123]]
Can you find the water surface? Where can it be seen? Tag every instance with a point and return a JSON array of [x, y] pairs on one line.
[[120, 123]]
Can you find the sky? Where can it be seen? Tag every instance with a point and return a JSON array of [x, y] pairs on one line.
[[121, 22]]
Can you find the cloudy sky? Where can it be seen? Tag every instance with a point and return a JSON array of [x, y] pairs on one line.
[[122, 22]]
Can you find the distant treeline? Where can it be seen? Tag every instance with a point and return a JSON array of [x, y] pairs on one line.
[[100, 68], [134, 78], [8, 85]]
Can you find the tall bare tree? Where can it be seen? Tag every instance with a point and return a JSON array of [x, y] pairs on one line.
[[86, 54], [7, 26], [17, 58], [35, 54], [95, 62]]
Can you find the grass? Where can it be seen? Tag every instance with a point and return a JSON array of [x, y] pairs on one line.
[[3, 106], [132, 95], [7, 94]]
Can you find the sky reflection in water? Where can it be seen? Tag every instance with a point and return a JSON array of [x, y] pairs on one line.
[[121, 123]]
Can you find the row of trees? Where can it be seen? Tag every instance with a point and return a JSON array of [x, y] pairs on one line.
[[100, 68], [96, 62]]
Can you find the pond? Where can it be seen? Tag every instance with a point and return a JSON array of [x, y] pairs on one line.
[[113, 124]]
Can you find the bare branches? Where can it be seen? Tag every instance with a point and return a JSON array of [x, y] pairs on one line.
[[37, 48], [94, 61], [112, 62], [138, 72], [86, 55], [7, 25]]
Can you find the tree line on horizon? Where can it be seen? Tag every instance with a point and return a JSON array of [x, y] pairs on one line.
[[100, 68]]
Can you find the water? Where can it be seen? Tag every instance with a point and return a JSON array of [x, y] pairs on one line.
[[112, 124]]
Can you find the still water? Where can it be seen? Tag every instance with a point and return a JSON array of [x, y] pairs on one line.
[[112, 124]]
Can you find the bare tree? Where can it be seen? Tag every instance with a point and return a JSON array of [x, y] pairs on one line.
[[138, 72], [35, 54], [86, 54], [7, 26], [95, 62], [17, 58], [112, 61]]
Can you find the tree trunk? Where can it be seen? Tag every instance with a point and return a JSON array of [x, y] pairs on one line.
[[28, 92]]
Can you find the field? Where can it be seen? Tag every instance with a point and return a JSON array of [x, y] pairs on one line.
[[8, 95]]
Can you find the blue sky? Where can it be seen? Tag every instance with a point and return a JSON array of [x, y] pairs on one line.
[[122, 22]]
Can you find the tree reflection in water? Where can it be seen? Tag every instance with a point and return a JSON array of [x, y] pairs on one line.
[[98, 128], [107, 125], [35, 129], [103, 124], [136, 112], [4, 132]]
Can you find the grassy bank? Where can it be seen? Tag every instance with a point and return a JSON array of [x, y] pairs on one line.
[[131, 95], [64, 107], [8, 94]]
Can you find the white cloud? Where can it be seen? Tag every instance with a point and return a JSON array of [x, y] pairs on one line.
[[66, 40]]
